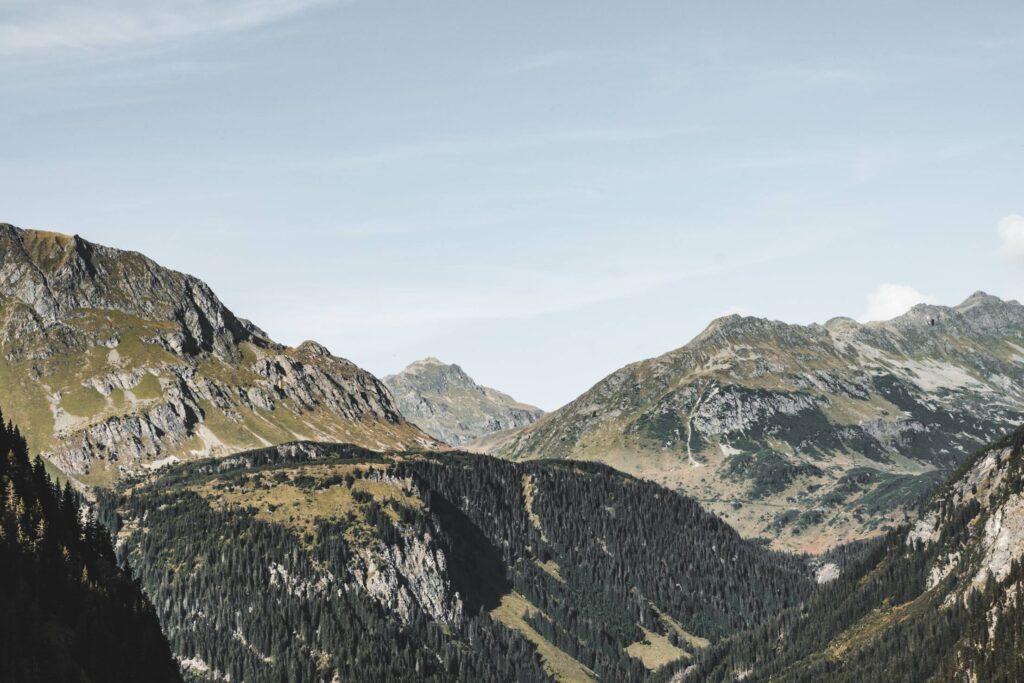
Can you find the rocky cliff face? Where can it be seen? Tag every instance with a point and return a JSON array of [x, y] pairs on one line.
[[121, 364], [987, 502], [809, 435], [445, 402]]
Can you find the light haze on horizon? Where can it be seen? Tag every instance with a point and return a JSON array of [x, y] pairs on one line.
[[539, 192]]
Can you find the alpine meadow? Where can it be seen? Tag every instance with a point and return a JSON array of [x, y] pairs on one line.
[[665, 342]]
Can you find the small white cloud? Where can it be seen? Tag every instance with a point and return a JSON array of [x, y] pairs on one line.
[[1011, 231], [889, 301]]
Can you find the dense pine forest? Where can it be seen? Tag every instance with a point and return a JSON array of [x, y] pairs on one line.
[[67, 612], [923, 606], [314, 562]]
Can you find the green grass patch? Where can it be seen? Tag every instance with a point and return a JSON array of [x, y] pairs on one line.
[[148, 387], [83, 401]]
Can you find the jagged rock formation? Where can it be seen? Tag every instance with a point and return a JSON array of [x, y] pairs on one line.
[[446, 403], [808, 435], [276, 563], [122, 364], [939, 600]]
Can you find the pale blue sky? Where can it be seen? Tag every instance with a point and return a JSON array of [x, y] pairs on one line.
[[539, 191]]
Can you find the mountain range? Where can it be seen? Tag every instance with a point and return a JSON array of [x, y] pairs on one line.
[[291, 517], [446, 403], [811, 435]]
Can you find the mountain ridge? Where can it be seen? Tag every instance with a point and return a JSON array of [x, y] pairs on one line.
[[786, 430], [125, 363]]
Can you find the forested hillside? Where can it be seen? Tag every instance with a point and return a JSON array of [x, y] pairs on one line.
[[67, 612], [325, 562], [940, 601]]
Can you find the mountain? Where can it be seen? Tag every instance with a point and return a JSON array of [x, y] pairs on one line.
[[446, 403], [941, 600], [121, 364], [67, 612], [274, 564], [807, 435]]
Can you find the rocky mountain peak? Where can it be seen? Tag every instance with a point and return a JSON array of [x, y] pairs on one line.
[[979, 314], [438, 375], [314, 349], [841, 323], [977, 299], [55, 275], [121, 363], [446, 403]]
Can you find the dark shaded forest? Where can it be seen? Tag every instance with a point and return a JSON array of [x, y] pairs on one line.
[[67, 611]]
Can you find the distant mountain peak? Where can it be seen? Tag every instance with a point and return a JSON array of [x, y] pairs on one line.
[[448, 404], [980, 298]]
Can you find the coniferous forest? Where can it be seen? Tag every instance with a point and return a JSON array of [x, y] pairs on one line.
[[323, 562], [67, 612], [595, 562]]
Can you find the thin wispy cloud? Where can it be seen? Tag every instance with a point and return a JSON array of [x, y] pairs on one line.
[[34, 27], [497, 145], [510, 294]]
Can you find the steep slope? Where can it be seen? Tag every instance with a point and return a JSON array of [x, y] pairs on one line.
[[121, 363], [446, 403], [67, 612], [808, 435], [273, 564], [942, 600]]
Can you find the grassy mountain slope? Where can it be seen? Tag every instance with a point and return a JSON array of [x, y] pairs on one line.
[[807, 435], [941, 600], [121, 364], [276, 562], [446, 403], [67, 612]]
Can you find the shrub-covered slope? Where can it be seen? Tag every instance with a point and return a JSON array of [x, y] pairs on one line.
[[328, 562], [940, 601], [67, 612]]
